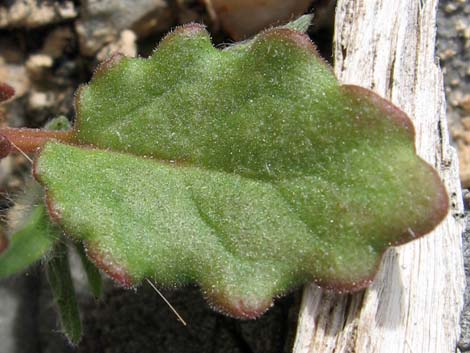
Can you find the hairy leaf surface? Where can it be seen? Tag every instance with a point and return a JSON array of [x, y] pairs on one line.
[[248, 171]]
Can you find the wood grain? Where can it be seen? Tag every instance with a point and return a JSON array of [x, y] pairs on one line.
[[414, 304]]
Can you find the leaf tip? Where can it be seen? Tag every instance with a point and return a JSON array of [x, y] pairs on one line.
[[287, 35], [106, 263], [301, 24], [106, 65], [244, 308], [189, 30], [390, 110], [437, 210]]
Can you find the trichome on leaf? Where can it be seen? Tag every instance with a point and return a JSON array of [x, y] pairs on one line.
[[247, 171]]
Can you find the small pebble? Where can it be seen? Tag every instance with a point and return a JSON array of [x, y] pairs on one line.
[[466, 123], [450, 8], [455, 82], [464, 103], [447, 54]]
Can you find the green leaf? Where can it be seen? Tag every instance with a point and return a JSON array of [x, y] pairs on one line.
[[301, 24], [59, 123], [248, 171], [60, 280], [29, 244], [92, 273]]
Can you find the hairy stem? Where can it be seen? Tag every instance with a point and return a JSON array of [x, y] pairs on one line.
[[29, 140]]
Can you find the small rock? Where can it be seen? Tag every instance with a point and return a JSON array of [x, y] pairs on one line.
[[15, 76], [464, 103], [37, 64], [457, 133], [447, 54], [464, 161], [450, 8], [126, 44], [466, 33], [466, 123], [57, 41], [466, 137], [33, 13], [461, 135], [91, 43], [455, 98], [455, 82], [40, 100], [244, 18], [459, 26], [102, 21], [463, 30]]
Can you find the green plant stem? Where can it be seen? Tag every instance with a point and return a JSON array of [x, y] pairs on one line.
[[60, 280]]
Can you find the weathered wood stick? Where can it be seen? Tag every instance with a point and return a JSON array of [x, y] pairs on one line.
[[415, 302]]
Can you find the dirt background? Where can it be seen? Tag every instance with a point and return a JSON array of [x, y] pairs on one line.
[[48, 48]]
